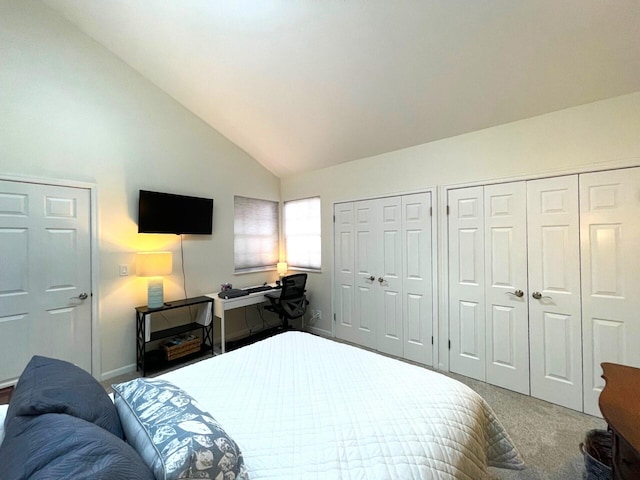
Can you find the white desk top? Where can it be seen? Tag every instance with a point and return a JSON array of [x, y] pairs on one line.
[[222, 304]]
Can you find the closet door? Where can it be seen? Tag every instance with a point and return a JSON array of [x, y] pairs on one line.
[[554, 288], [507, 315], [610, 240], [387, 258], [366, 268], [346, 326], [466, 282], [417, 285]]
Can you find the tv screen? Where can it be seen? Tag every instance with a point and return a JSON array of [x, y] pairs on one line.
[[169, 213]]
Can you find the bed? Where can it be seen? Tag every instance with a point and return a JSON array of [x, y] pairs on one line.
[[301, 406], [296, 405]]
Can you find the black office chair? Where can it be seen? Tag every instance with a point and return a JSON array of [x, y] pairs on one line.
[[292, 302]]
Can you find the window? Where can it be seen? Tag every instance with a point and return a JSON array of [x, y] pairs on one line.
[[255, 229], [302, 233]]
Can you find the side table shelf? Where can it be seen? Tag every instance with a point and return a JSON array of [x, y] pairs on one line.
[[154, 360]]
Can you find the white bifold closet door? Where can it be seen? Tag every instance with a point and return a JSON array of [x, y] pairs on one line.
[[514, 287], [417, 278], [507, 340], [570, 245], [610, 239], [488, 283], [383, 275], [347, 326], [554, 290], [467, 330]]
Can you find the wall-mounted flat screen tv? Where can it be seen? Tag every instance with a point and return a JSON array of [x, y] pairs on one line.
[[169, 213]]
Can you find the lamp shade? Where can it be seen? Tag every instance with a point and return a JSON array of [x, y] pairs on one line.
[[281, 267], [154, 264]]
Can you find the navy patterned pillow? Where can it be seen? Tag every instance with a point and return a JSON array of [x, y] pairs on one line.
[[176, 439]]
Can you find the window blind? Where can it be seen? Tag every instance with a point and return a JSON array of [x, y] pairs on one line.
[[255, 231]]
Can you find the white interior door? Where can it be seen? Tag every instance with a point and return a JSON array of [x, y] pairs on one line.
[[417, 286], [366, 286], [387, 255], [45, 272], [610, 240], [466, 282], [346, 327], [554, 288], [507, 315]]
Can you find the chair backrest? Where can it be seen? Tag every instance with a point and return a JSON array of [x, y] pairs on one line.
[[293, 286]]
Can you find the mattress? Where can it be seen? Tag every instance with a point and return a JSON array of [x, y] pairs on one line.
[[301, 406]]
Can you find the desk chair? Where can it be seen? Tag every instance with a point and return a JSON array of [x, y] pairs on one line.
[[292, 302]]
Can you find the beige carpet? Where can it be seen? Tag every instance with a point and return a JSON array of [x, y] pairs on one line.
[[547, 436]]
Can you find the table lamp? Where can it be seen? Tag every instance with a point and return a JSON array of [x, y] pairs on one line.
[[281, 268], [153, 265]]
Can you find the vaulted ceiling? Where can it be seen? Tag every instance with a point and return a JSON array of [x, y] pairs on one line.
[[305, 84]]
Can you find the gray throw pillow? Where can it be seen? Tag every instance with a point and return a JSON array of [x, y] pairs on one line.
[[175, 438]]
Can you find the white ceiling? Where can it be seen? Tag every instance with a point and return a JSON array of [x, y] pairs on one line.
[[305, 84]]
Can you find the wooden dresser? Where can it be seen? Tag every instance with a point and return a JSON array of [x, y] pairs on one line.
[[620, 406]]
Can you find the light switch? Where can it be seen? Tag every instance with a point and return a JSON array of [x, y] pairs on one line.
[[124, 270]]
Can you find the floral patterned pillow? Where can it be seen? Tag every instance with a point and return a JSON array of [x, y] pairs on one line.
[[176, 439]]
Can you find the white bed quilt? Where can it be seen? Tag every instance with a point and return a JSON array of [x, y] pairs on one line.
[[300, 406]]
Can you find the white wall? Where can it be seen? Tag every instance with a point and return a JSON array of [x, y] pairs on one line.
[[71, 110], [605, 131]]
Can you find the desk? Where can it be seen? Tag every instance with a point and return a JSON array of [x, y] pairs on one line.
[[221, 305]]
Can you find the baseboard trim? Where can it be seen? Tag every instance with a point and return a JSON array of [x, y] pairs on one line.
[[118, 371], [319, 331]]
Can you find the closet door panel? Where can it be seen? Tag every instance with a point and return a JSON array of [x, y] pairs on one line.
[[344, 264], [507, 315], [554, 288], [417, 286], [466, 282], [366, 265], [389, 275], [610, 242]]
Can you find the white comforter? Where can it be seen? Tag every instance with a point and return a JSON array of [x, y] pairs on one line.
[[304, 407]]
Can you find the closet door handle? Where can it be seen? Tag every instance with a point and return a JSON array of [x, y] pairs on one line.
[[517, 293], [539, 296], [371, 278], [380, 280]]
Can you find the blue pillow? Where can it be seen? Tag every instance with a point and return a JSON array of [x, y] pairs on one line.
[[175, 438], [48, 385], [52, 446]]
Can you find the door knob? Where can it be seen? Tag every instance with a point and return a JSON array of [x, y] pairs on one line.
[[517, 293], [380, 279], [371, 278], [82, 296], [538, 296]]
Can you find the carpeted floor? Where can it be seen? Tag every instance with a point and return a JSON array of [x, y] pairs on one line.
[[546, 435]]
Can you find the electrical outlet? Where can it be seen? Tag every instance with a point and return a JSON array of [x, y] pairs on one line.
[[124, 270]]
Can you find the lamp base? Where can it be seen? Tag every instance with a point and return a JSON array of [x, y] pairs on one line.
[[155, 292]]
